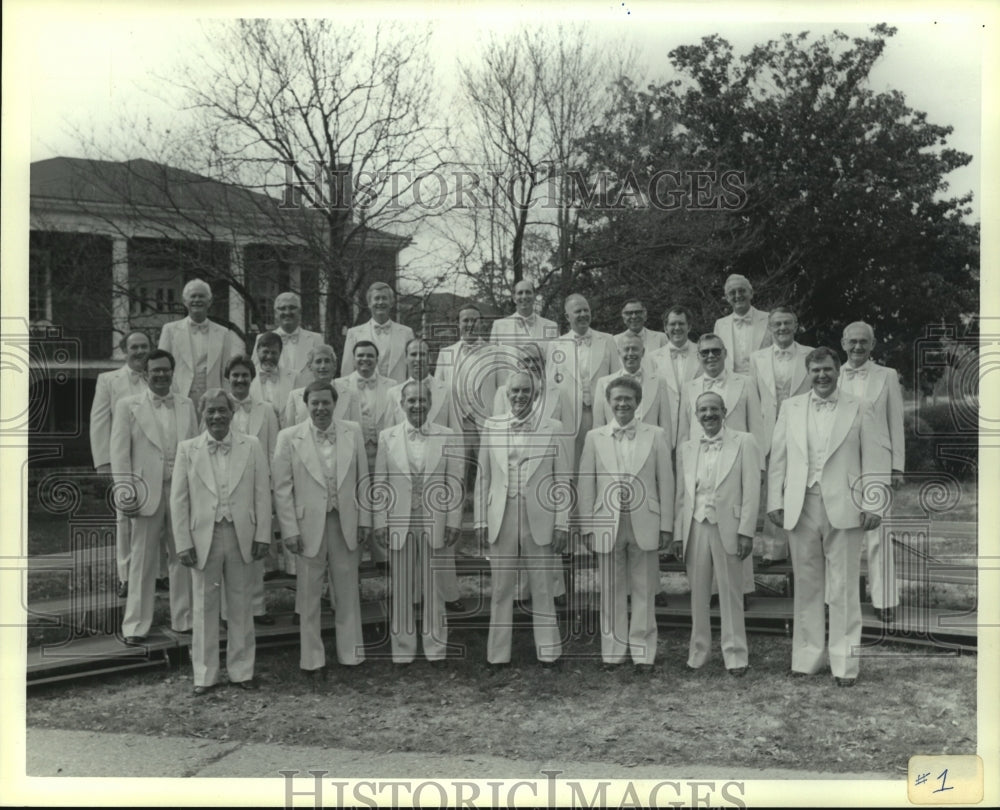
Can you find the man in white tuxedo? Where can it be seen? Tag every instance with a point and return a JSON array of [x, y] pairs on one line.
[[879, 386], [677, 361], [253, 417], [634, 315], [296, 342], [827, 450], [418, 369], [220, 506], [778, 372], [368, 397], [388, 336], [655, 406], [718, 496], [129, 380], [744, 330], [317, 468], [511, 331], [145, 431], [415, 459], [626, 487], [272, 383], [439, 411], [322, 365], [467, 369], [576, 362], [550, 403], [200, 347], [742, 408], [522, 513]]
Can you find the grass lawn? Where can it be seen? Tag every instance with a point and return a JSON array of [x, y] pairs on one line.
[[905, 702]]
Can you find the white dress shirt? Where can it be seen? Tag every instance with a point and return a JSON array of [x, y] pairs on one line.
[[218, 455], [820, 421], [705, 475]]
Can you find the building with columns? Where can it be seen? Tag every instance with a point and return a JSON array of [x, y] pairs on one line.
[[112, 244]]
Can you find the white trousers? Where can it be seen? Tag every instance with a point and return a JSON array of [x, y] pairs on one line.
[[224, 566]]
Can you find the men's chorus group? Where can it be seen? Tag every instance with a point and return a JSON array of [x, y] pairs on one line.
[[627, 446]]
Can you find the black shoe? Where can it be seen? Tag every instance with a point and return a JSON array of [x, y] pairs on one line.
[[885, 615], [796, 674], [439, 663], [163, 585], [690, 668], [661, 600], [249, 686], [123, 590], [746, 601], [560, 601], [847, 682], [264, 619], [135, 641], [607, 666], [381, 567], [187, 632], [295, 618], [498, 669], [737, 672], [269, 575], [714, 601], [198, 691], [642, 669], [550, 664], [455, 606]]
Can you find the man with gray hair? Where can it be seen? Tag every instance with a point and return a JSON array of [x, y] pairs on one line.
[[220, 505], [389, 337], [201, 347], [878, 386], [744, 330], [296, 342]]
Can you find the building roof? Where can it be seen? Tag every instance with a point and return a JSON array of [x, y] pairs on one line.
[[141, 183]]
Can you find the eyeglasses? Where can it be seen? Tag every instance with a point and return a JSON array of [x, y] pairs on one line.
[[629, 313], [710, 352]]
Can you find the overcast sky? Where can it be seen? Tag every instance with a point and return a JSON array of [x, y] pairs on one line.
[[83, 67]]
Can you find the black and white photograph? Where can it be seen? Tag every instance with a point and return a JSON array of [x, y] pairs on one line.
[[561, 405]]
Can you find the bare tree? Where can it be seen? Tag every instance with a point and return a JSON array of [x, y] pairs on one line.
[[532, 95]]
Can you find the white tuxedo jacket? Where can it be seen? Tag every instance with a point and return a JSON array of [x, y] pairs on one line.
[[511, 331], [136, 448], [395, 360], [545, 479], [471, 379], [883, 392], [283, 387], [737, 488], [194, 496], [262, 424], [762, 374], [760, 336], [385, 410], [562, 371], [300, 493], [856, 457], [300, 374], [654, 408], [742, 408], [442, 483], [111, 386], [690, 368], [223, 345], [440, 410], [651, 478]]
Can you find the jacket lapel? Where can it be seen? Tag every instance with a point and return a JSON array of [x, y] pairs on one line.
[[438, 393], [874, 383], [256, 418], [397, 447], [203, 464], [690, 450], [435, 446], [731, 392], [767, 372], [307, 453], [605, 447], [345, 451], [759, 329], [238, 456], [643, 446], [216, 335], [147, 421], [649, 391], [843, 417], [727, 457], [798, 369], [798, 422]]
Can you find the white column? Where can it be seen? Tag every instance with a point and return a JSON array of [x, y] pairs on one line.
[[237, 271], [119, 295]]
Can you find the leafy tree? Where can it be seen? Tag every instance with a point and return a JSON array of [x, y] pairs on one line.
[[841, 217]]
